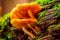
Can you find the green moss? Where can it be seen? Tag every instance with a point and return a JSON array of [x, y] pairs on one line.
[[51, 27], [43, 2], [57, 6]]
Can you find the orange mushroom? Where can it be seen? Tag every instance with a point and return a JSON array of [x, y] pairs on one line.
[[21, 10], [23, 15]]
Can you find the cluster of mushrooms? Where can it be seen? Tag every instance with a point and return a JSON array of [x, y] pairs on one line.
[[22, 17]]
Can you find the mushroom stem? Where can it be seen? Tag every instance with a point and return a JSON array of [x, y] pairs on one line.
[[37, 29], [32, 28], [27, 32]]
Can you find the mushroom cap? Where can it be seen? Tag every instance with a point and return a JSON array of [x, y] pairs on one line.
[[19, 15], [18, 23], [20, 11]]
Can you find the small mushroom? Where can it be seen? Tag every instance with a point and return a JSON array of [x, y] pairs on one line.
[[23, 17]]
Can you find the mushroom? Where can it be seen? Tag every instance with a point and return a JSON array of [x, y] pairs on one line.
[[23, 17]]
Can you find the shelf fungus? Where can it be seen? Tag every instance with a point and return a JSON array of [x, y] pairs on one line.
[[23, 17]]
